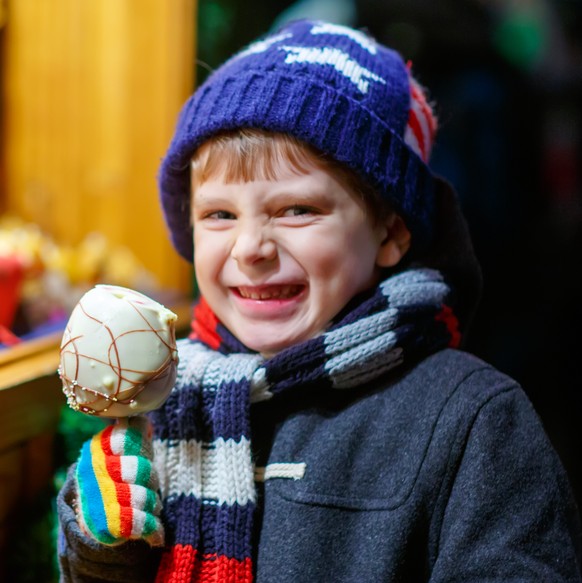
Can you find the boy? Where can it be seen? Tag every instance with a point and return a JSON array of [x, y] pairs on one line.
[[337, 280]]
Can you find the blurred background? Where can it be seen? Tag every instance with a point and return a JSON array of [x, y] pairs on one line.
[[89, 96]]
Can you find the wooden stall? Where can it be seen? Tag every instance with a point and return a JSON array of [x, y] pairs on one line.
[[91, 90]]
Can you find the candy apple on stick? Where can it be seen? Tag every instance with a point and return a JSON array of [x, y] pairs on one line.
[[118, 353]]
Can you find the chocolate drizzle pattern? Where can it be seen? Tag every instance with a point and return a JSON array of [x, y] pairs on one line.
[[118, 381]]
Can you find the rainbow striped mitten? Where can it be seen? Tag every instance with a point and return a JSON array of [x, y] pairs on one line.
[[117, 485]]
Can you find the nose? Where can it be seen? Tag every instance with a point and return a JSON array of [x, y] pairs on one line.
[[253, 245]]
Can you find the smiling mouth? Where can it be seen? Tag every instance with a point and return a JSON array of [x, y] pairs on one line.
[[270, 292]]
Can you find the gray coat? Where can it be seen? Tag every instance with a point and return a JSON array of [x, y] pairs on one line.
[[443, 473]]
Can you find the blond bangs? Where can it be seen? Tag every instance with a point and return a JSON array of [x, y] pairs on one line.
[[247, 155]]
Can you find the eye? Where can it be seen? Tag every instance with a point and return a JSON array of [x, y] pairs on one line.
[[298, 210], [220, 215]]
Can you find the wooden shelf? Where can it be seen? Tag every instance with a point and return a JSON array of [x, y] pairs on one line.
[[29, 360], [30, 403]]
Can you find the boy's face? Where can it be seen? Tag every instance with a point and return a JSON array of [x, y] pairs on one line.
[[277, 260]]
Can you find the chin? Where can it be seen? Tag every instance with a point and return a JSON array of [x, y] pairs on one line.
[[269, 350], [267, 346], [270, 347]]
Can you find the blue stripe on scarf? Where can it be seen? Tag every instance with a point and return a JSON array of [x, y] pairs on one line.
[[229, 419], [298, 366], [188, 414], [225, 530]]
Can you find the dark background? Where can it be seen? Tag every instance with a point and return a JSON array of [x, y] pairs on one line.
[[506, 78]]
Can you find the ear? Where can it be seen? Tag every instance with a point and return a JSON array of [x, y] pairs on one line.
[[396, 242]]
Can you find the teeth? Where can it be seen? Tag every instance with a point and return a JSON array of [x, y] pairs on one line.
[[272, 293]]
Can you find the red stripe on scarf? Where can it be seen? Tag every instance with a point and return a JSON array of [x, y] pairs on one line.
[[204, 324], [448, 318], [182, 565], [122, 490]]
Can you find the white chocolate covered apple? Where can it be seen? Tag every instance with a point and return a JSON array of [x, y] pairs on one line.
[[118, 353]]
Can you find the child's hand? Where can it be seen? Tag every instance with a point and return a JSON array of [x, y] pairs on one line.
[[117, 485]]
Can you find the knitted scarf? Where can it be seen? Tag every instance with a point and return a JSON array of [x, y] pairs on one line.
[[202, 444]]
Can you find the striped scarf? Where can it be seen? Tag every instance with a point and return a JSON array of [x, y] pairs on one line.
[[202, 446]]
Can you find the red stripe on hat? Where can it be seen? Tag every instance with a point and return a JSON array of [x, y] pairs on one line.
[[182, 564], [420, 98], [414, 125], [122, 490]]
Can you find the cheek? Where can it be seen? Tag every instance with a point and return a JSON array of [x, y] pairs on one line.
[[347, 264], [207, 260], [340, 256], [319, 263], [317, 250]]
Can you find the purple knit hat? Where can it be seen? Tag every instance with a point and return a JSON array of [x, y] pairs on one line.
[[331, 86]]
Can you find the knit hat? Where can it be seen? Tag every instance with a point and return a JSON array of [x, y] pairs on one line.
[[331, 86]]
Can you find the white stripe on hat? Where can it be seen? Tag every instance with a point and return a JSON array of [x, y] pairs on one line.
[[421, 128], [261, 46], [362, 39], [342, 62]]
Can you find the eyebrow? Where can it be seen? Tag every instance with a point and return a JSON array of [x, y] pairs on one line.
[[298, 191], [198, 201]]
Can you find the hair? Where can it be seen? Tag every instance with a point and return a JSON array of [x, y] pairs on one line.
[[247, 154]]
